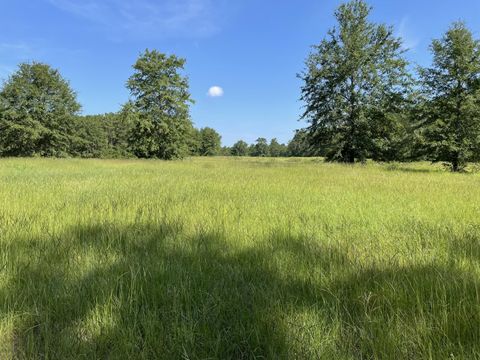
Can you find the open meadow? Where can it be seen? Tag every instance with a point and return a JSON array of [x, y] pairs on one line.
[[216, 258]]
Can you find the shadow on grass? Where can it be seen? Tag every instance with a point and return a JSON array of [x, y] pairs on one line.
[[155, 292], [415, 170]]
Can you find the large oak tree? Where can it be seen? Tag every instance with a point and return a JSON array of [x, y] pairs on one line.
[[354, 87], [37, 112]]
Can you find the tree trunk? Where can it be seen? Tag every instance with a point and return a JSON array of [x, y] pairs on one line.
[[455, 163], [351, 156], [348, 154], [353, 115]]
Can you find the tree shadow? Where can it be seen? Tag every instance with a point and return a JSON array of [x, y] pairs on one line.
[[414, 170], [411, 313], [157, 291], [466, 245]]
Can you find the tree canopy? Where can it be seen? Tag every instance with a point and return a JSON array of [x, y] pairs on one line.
[[354, 83], [275, 149], [240, 148], [159, 107], [301, 145], [209, 142], [450, 116], [361, 101], [37, 110], [260, 148]]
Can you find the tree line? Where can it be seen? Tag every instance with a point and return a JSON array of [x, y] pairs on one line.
[[363, 100], [39, 116]]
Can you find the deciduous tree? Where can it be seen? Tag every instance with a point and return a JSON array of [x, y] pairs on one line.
[[37, 110], [276, 149], [240, 148], [210, 142], [450, 125], [260, 148], [160, 107], [354, 81], [300, 145]]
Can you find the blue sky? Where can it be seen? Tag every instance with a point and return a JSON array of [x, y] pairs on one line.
[[251, 49]]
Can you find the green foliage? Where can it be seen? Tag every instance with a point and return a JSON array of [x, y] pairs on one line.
[[300, 145], [450, 113], [37, 109], [392, 135], [194, 142], [357, 91], [275, 149], [90, 139], [118, 128], [240, 148], [210, 142], [260, 148], [354, 82], [160, 107], [225, 151], [102, 136]]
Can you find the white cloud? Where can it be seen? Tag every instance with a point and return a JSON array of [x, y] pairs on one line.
[[410, 42], [215, 91], [146, 18]]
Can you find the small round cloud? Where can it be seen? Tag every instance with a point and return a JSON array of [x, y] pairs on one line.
[[215, 91]]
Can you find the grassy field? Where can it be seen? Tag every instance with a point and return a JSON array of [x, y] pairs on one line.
[[237, 258]]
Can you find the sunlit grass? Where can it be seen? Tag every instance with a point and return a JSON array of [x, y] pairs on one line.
[[237, 258]]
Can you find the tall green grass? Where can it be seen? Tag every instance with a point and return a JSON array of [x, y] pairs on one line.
[[237, 258]]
